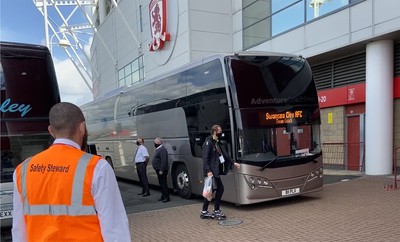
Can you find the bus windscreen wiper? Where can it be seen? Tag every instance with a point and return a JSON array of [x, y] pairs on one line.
[[287, 157], [266, 165]]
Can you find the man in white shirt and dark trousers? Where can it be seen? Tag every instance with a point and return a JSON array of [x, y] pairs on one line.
[[141, 160]]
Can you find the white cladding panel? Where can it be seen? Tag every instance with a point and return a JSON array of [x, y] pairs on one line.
[[210, 22], [220, 6], [237, 41], [386, 10], [236, 6], [237, 25], [126, 30], [211, 42], [237, 32], [361, 16], [327, 29], [210, 26]]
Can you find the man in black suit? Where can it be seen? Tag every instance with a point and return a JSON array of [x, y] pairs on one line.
[[160, 165]]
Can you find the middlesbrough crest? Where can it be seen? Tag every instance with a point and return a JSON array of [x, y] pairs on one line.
[[158, 22]]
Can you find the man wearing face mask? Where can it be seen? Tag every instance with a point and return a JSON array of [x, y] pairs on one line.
[[64, 193], [216, 162], [160, 165], [141, 160]]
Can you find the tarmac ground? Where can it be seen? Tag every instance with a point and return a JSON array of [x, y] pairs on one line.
[[359, 209]]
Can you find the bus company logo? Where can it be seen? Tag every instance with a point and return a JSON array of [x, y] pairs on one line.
[[7, 106], [263, 101], [158, 24]]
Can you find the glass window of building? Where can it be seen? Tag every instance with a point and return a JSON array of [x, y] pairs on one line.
[[256, 23], [264, 19], [281, 4], [317, 8], [131, 73], [288, 18]]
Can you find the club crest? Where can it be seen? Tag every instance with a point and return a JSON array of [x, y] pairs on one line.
[[158, 22]]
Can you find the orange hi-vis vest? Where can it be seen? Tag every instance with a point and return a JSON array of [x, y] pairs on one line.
[[55, 187]]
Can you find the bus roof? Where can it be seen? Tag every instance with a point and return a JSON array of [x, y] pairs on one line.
[[22, 46]]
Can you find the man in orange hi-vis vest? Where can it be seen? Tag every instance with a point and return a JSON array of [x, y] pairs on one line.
[[65, 194]]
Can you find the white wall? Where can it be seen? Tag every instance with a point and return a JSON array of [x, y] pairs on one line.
[[210, 27]]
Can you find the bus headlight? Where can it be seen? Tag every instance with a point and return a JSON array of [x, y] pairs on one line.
[[317, 173], [257, 182]]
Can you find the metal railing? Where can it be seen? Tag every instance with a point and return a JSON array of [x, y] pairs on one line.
[[340, 154], [395, 167]]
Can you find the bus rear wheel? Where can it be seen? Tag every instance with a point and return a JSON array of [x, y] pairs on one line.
[[182, 182]]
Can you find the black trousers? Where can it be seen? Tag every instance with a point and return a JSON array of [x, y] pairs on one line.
[[162, 180], [141, 168], [218, 195]]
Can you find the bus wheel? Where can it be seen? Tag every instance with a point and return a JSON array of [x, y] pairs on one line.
[[182, 181], [108, 159]]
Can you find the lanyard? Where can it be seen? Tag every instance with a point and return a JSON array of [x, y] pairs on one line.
[[218, 148]]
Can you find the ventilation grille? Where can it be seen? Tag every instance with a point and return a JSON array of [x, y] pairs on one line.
[[397, 59], [340, 72]]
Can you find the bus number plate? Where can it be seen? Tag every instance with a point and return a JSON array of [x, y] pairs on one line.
[[291, 191], [5, 214]]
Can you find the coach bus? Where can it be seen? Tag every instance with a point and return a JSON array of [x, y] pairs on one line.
[[266, 104], [28, 90]]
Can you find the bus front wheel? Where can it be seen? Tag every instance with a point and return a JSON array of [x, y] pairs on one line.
[[182, 181]]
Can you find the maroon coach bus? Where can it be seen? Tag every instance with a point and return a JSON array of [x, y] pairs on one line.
[[28, 90]]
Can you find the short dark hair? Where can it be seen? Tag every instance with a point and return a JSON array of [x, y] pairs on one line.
[[65, 118]]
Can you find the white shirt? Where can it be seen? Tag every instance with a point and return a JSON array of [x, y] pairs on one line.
[[141, 154], [107, 199]]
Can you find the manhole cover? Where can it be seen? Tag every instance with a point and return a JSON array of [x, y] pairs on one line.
[[230, 222]]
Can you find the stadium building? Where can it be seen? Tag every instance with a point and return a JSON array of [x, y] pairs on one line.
[[353, 47]]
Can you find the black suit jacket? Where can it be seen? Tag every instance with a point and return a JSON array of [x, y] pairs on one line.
[[160, 159]]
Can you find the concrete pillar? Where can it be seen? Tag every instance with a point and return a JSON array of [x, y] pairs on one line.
[[379, 108]]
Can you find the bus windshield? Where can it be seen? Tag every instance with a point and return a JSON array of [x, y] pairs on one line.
[[276, 109], [28, 90]]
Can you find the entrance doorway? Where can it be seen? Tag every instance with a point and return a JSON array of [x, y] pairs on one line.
[[355, 148]]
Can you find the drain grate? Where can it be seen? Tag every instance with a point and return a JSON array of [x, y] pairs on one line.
[[230, 222]]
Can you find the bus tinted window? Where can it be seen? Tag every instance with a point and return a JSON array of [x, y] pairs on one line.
[[26, 73], [205, 77], [171, 88], [273, 81]]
